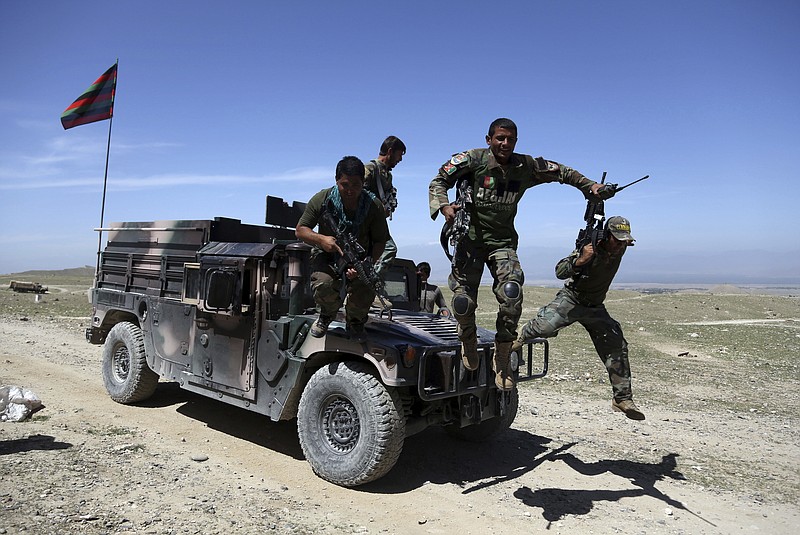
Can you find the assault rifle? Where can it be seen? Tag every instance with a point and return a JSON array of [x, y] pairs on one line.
[[595, 213], [390, 204], [354, 256], [453, 233]]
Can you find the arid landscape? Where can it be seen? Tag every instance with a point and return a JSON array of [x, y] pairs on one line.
[[716, 373]]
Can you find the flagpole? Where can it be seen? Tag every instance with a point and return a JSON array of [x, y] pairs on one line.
[[105, 183], [103, 203]]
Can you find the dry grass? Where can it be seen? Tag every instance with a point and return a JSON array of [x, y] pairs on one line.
[[724, 363]]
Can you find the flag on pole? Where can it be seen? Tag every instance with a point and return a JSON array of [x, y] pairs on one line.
[[95, 104]]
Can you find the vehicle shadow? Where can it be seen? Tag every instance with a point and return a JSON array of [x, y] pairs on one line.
[[33, 442], [430, 456], [167, 394], [433, 456], [234, 421], [557, 503]]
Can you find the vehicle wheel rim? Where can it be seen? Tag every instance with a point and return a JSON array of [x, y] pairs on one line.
[[341, 425], [121, 363]]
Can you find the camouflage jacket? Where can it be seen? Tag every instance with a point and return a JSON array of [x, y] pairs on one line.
[[376, 171], [589, 282], [496, 191]]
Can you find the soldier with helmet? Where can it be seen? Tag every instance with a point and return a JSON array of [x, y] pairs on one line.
[[589, 272], [498, 177]]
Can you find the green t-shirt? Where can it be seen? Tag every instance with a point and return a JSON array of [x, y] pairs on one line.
[[371, 231]]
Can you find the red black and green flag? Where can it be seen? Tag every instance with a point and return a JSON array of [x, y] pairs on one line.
[[95, 104]]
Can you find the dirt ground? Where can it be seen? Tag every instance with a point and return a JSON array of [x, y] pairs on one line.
[[181, 463]]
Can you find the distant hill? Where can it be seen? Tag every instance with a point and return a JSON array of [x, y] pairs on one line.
[[85, 271]]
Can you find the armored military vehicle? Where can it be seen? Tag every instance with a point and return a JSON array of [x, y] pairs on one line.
[[223, 308]]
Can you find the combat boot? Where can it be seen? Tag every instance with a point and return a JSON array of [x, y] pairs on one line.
[[469, 354], [628, 407], [504, 379], [320, 327]]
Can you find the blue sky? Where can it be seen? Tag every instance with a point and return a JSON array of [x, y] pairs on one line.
[[219, 104]]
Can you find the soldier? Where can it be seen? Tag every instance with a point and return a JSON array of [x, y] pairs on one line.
[[430, 294], [378, 180], [498, 177], [589, 273], [357, 211]]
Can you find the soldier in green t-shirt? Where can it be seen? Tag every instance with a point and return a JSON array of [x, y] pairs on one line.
[[378, 181], [589, 272], [359, 213], [498, 177]]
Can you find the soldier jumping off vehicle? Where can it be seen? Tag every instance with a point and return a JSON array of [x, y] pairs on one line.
[[359, 213], [498, 177], [378, 181], [589, 272]]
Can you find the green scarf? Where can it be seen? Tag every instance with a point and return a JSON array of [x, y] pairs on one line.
[[333, 202]]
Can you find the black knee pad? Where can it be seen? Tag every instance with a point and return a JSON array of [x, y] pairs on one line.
[[511, 294], [512, 290], [463, 305]]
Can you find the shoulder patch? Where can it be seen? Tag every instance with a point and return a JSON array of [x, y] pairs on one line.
[[544, 166], [461, 157]]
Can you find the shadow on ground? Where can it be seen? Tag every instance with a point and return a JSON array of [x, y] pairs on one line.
[[33, 442], [557, 503], [234, 421], [433, 456]]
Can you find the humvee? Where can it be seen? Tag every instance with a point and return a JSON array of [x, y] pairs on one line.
[[223, 308]]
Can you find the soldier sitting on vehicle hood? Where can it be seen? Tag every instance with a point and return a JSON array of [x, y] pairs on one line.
[[359, 213]]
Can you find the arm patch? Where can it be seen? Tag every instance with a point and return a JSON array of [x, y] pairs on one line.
[[456, 162], [544, 166], [459, 158]]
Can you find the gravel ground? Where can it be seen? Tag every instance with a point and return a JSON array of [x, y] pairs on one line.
[[714, 456]]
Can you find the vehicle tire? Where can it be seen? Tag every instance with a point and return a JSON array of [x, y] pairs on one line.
[[126, 375], [491, 427], [351, 426]]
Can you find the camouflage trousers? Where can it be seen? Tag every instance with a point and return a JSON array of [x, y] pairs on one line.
[[605, 331], [389, 254], [465, 279], [326, 285]]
